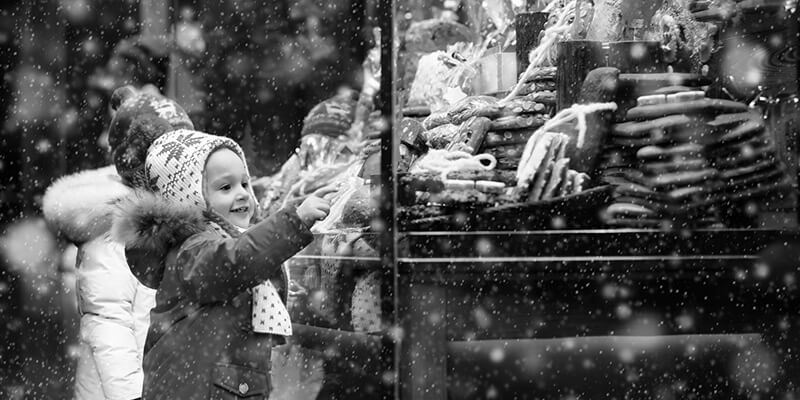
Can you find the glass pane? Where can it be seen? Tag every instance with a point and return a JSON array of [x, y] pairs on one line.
[[597, 198]]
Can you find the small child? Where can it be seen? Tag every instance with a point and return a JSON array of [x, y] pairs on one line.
[[220, 305]]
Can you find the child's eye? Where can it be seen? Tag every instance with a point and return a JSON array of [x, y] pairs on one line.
[[245, 184], [225, 187]]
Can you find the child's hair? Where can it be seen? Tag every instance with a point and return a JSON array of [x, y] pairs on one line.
[[175, 166]]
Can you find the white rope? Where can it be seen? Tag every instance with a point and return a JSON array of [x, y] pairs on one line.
[[446, 161], [579, 112]]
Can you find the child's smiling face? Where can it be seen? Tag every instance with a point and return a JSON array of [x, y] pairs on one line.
[[226, 187]]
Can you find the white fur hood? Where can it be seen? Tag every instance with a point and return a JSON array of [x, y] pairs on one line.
[[81, 206]]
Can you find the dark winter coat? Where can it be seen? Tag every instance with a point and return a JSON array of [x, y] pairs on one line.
[[201, 343]]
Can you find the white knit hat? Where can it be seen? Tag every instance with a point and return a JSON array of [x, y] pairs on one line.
[[176, 160]]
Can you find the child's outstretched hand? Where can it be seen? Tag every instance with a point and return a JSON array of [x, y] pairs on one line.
[[316, 207]]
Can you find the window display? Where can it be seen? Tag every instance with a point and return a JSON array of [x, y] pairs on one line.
[[633, 109], [598, 199], [530, 199]]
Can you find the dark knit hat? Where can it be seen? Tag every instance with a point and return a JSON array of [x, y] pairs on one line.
[[139, 119], [145, 60], [332, 117]]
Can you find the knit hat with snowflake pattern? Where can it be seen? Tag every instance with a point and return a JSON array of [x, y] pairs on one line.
[[175, 163], [139, 119]]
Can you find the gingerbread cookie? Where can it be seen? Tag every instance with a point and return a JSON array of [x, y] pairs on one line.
[[518, 122], [706, 106]]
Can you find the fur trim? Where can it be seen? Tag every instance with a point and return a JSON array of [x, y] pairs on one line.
[[81, 206], [147, 222]]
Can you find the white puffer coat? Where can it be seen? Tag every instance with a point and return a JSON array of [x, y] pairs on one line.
[[114, 306]]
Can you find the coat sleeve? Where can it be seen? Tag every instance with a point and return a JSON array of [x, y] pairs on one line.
[[217, 269], [108, 291]]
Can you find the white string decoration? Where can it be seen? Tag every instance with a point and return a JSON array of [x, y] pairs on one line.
[[446, 161]]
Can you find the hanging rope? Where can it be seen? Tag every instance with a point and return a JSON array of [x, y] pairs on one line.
[[539, 54]]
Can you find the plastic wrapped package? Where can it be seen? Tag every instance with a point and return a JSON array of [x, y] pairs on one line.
[[682, 36], [350, 186], [366, 303], [317, 150], [339, 277], [319, 161], [349, 291], [444, 77]]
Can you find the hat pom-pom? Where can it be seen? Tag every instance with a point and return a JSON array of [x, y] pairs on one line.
[[120, 95]]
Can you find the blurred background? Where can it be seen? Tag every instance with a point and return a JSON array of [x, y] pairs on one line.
[[250, 70]]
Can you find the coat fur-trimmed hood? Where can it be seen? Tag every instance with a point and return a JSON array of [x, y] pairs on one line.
[[148, 222], [150, 226], [81, 206]]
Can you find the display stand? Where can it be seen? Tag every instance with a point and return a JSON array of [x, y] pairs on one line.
[[544, 314], [466, 292]]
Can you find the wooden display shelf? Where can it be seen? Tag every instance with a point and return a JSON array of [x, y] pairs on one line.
[[588, 245], [462, 287]]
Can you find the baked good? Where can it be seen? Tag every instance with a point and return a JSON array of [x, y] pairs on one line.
[[543, 96], [544, 173], [505, 138], [703, 106], [556, 180], [522, 105], [441, 136], [537, 86], [470, 135], [473, 106], [545, 168], [746, 130], [658, 153], [639, 129], [435, 119], [540, 73], [416, 111]]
